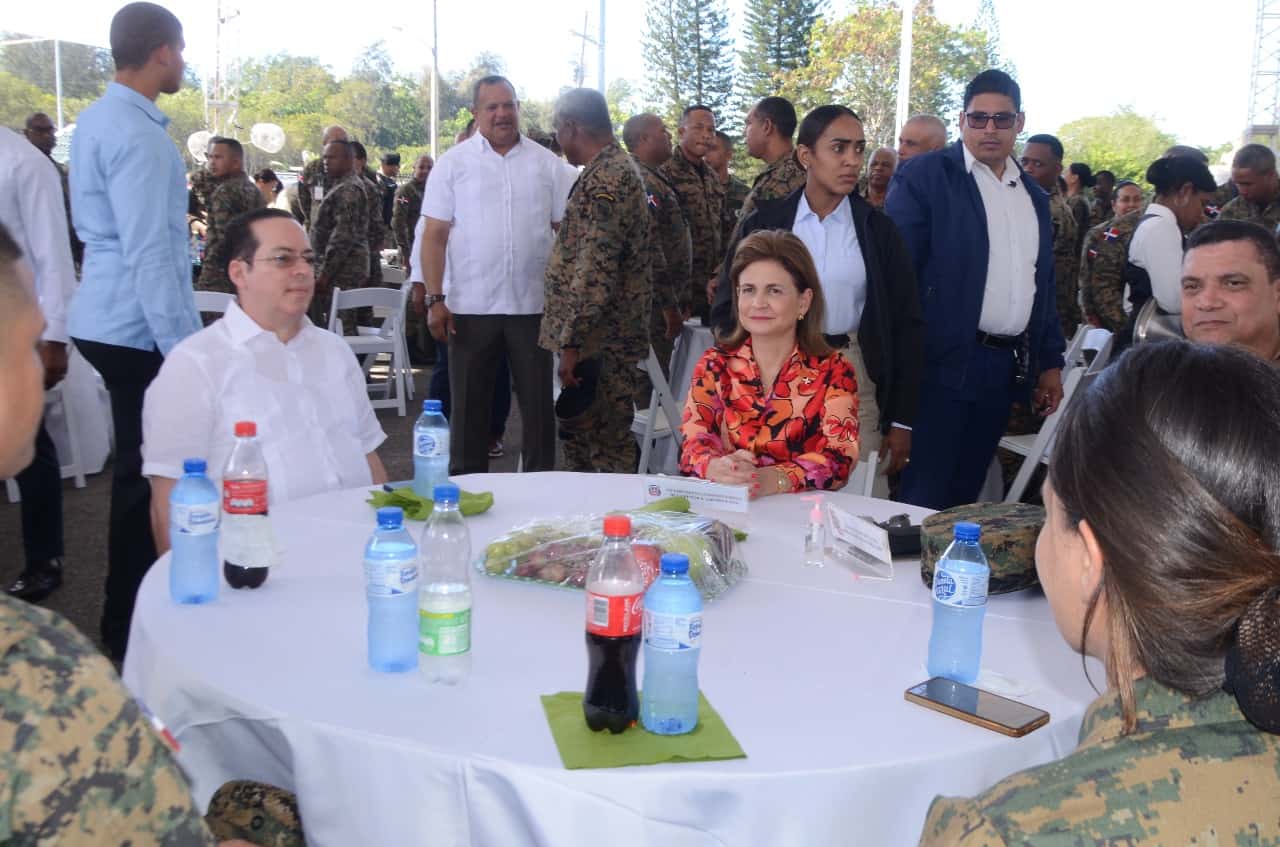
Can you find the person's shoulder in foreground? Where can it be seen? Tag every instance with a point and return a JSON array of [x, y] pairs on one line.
[[1194, 771]]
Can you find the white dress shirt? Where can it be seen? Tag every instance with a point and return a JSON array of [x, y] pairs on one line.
[[308, 398], [833, 243], [31, 208], [1013, 237], [1156, 247], [501, 208]]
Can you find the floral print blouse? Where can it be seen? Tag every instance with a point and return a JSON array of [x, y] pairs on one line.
[[806, 424]]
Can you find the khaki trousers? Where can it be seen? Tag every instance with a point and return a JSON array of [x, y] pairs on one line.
[[868, 413]]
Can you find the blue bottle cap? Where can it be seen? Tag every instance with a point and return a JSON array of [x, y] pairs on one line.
[[431, 406], [676, 563], [390, 517], [194, 466], [446, 492], [966, 531]]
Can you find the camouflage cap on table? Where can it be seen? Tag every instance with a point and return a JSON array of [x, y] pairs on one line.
[[1009, 533]]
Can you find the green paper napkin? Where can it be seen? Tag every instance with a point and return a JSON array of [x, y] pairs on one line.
[[581, 748], [419, 508]]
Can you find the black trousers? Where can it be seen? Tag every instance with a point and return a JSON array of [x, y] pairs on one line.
[[130, 549], [41, 488]]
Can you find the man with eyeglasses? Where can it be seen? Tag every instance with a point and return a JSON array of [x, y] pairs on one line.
[[980, 234], [1042, 161], [264, 361]]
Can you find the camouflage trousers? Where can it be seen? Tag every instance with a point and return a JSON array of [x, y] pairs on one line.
[[255, 812], [607, 446], [323, 299]]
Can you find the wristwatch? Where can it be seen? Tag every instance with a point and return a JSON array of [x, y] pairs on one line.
[[433, 299]]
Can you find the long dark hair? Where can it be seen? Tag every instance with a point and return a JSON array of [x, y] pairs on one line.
[[1173, 458]]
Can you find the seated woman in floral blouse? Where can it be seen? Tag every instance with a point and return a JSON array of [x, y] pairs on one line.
[[772, 405]]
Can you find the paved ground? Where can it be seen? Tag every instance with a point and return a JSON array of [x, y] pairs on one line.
[[85, 517]]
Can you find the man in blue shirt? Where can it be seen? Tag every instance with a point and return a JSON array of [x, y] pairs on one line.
[[981, 237], [135, 301]]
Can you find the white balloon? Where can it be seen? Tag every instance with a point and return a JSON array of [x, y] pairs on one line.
[[198, 145], [268, 138]]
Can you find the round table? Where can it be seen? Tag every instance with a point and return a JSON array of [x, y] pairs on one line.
[[807, 667]]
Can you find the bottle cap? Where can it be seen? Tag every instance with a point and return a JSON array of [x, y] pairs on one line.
[[390, 517], [617, 526], [194, 466], [675, 563], [246, 429], [446, 492], [966, 531], [432, 406]]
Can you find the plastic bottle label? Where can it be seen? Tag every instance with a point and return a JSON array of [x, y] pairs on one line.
[[672, 632], [390, 579], [614, 615], [194, 518], [444, 633], [244, 496], [961, 590], [426, 446]]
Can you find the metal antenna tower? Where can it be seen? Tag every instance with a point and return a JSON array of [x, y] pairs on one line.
[[1264, 87]]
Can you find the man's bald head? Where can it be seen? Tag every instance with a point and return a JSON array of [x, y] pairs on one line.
[[921, 134], [647, 138], [334, 133]]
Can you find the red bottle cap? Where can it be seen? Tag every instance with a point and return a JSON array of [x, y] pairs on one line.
[[617, 526], [246, 429]]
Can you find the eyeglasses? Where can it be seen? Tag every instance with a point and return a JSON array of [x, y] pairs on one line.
[[288, 261], [979, 120]]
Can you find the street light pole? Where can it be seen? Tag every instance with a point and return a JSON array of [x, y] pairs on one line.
[[57, 78], [435, 73], [600, 46]]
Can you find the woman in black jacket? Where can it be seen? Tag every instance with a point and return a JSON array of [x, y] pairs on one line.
[[873, 312]]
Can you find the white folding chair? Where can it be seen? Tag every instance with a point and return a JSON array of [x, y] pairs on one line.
[[58, 406], [1100, 342], [862, 479], [662, 418], [388, 339], [214, 302], [1034, 448]]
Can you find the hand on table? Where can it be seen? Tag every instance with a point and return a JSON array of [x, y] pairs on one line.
[[53, 354], [568, 362], [897, 448], [737, 468], [1048, 393]]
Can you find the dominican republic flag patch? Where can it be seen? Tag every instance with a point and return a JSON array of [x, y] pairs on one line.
[[1111, 234], [653, 201], [1093, 254]]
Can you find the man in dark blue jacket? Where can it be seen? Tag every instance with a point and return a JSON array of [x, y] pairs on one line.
[[980, 235]]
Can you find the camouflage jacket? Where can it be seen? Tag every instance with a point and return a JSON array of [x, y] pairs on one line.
[[377, 229], [672, 260], [735, 195], [313, 177], [1099, 211], [1194, 772], [1066, 261], [202, 185], [232, 196], [340, 232], [406, 210], [702, 197], [1239, 209], [599, 276], [774, 182], [82, 763], [1079, 206], [1103, 260]]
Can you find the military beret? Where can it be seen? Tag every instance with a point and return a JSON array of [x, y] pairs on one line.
[[1009, 532]]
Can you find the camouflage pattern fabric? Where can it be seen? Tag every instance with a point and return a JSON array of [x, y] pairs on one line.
[[1079, 205], [202, 185], [598, 291], [232, 196], [671, 263], [258, 813], [1194, 772], [377, 229], [1102, 268], [340, 238], [1099, 211], [602, 442], [1009, 532], [702, 198], [1239, 209], [82, 762], [405, 211], [776, 181], [1066, 261], [313, 177], [735, 195]]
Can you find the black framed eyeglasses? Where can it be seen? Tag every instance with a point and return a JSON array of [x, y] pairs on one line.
[[979, 120]]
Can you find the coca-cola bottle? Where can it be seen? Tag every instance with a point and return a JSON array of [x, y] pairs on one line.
[[615, 613], [248, 548]]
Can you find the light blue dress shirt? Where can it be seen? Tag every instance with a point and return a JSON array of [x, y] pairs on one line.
[[129, 206]]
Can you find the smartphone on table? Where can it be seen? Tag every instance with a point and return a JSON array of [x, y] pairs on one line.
[[976, 706]]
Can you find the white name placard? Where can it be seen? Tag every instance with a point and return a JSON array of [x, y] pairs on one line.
[[700, 492]]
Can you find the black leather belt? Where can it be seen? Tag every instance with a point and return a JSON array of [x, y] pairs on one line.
[[1000, 342], [839, 342]]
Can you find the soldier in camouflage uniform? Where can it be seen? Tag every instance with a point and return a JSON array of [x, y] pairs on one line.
[[770, 130], [407, 208], [232, 194], [1253, 170], [377, 229], [340, 234], [1042, 160], [599, 281], [701, 197], [1104, 263], [1079, 178], [735, 190], [1104, 189], [313, 183]]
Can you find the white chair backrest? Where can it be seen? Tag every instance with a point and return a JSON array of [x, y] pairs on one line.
[[1100, 342], [1075, 346], [1044, 439], [862, 479], [659, 398], [215, 302], [385, 302]]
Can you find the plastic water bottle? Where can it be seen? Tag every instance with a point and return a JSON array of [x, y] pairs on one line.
[[444, 605], [194, 509], [391, 587], [430, 450], [672, 643], [959, 602]]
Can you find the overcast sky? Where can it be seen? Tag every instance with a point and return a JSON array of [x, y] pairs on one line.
[[1188, 64]]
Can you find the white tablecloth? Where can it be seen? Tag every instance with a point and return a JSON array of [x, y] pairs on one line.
[[807, 667]]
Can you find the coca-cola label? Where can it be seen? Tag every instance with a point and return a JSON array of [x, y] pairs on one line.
[[244, 496], [615, 615]]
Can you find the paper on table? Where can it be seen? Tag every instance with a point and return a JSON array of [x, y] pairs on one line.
[[860, 544], [581, 748], [700, 492]]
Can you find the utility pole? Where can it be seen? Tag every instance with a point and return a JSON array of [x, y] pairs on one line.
[[600, 47], [904, 68], [580, 73], [57, 67], [435, 78]]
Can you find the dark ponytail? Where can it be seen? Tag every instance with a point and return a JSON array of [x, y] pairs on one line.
[[1172, 172]]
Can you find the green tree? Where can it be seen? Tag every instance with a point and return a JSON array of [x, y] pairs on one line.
[[988, 23], [854, 61], [776, 41], [278, 86], [19, 98], [689, 55], [1124, 142], [86, 70]]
